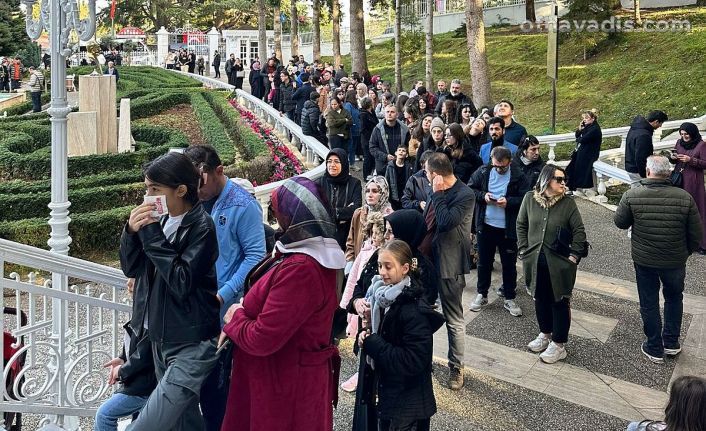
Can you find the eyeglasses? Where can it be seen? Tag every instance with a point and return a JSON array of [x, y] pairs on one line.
[[333, 162], [560, 179]]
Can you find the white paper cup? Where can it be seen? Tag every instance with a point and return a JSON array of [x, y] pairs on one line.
[[160, 203]]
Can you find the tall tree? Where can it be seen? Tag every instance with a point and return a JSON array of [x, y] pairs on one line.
[[638, 17], [12, 28], [478, 58], [294, 28], [262, 30], [316, 28], [359, 57], [278, 29], [398, 46], [336, 18], [530, 14], [429, 69]]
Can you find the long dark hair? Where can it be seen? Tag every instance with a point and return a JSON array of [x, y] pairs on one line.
[[685, 410], [173, 170]]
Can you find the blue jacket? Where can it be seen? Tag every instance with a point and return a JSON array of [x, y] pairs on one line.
[[485, 150], [355, 114], [241, 240]]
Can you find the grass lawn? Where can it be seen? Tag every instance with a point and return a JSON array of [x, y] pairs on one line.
[[629, 75]]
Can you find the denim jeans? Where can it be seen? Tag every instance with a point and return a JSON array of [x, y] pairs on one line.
[[648, 285], [451, 293], [36, 101], [491, 238], [353, 143], [116, 407]]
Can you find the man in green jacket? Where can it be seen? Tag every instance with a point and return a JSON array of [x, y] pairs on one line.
[[666, 229]]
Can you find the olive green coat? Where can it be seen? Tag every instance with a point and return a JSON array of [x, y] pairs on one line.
[[339, 123], [536, 231]]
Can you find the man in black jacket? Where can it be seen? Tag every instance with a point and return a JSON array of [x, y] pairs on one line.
[[418, 189], [457, 96], [301, 96], [499, 189], [528, 160], [666, 230], [386, 137], [311, 118], [449, 216], [287, 106], [217, 64], [638, 143]]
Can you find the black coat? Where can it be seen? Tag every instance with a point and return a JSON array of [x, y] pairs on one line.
[[137, 375], [638, 146], [311, 121], [301, 95], [286, 103], [588, 148], [368, 121], [465, 165], [531, 171], [418, 189], [460, 99], [344, 194], [176, 281], [396, 189], [217, 61], [257, 88], [402, 351], [516, 190]]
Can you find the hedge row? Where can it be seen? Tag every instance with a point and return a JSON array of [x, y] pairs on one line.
[[121, 177], [98, 230], [155, 102], [212, 129], [251, 145], [21, 156], [31, 205], [25, 107]]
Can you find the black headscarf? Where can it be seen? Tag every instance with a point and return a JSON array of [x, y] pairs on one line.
[[694, 134], [345, 167], [408, 225]]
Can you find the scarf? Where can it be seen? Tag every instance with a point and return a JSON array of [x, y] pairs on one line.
[[383, 202], [525, 160], [381, 296], [546, 201]]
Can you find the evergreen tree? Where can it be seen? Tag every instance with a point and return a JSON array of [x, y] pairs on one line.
[[12, 28]]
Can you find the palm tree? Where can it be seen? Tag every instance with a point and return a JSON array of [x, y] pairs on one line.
[[398, 47], [294, 29], [359, 58], [336, 18], [429, 70], [278, 29], [316, 24], [478, 58], [262, 29]]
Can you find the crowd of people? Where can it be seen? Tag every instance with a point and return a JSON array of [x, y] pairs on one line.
[[231, 319]]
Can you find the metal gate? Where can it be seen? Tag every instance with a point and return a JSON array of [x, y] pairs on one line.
[[191, 39]]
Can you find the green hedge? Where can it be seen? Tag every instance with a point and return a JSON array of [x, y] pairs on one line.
[[121, 177], [25, 107], [31, 205], [212, 129], [98, 230], [154, 103]]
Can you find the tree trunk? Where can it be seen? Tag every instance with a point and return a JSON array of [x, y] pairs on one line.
[[475, 31], [398, 46], [316, 24], [336, 18], [429, 70], [638, 18], [278, 31], [359, 58], [262, 31], [530, 14], [294, 29]]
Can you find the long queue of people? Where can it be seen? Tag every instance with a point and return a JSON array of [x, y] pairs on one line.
[[235, 327]]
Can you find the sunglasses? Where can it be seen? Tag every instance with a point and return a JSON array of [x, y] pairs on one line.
[[560, 179]]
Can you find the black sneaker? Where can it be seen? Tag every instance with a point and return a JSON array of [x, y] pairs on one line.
[[500, 291], [652, 358], [672, 351]]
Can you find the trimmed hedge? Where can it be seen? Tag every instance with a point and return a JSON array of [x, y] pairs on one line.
[[31, 205], [212, 129], [25, 107], [92, 231], [121, 177]]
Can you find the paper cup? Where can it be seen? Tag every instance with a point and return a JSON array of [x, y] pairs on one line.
[[160, 203]]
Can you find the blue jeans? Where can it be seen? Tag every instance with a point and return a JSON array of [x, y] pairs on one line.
[[116, 407], [648, 285], [353, 143]]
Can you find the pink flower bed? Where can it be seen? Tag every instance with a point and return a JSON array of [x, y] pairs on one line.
[[285, 163]]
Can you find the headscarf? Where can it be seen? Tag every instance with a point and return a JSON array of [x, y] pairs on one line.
[[408, 225], [694, 134], [304, 216], [383, 203], [345, 167]]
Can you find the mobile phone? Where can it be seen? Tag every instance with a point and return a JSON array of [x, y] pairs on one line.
[[492, 198]]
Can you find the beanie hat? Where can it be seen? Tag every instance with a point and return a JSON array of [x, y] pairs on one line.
[[437, 122]]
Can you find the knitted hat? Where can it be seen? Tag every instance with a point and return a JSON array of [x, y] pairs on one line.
[[437, 122]]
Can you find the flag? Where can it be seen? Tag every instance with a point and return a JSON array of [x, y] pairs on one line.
[[112, 9]]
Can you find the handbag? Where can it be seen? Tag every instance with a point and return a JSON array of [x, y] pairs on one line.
[[677, 177], [562, 243]]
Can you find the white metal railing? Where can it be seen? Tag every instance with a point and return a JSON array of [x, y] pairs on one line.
[[62, 337]]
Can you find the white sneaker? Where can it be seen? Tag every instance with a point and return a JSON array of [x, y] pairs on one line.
[[478, 303], [539, 344], [553, 354], [513, 308]]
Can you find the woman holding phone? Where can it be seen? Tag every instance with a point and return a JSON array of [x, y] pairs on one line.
[[175, 307]]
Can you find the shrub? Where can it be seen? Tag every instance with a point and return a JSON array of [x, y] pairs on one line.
[[121, 177], [212, 129]]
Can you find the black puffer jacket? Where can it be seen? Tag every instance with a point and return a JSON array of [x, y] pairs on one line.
[[402, 351], [286, 102], [666, 227], [311, 121], [531, 171], [638, 146], [176, 281]]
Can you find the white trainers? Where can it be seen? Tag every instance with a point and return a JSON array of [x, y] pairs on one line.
[[513, 308], [478, 303], [539, 344], [553, 354]]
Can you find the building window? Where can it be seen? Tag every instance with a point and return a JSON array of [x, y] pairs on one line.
[[254, 51]]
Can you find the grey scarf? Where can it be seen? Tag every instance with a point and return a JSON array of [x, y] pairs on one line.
[[381, 296]]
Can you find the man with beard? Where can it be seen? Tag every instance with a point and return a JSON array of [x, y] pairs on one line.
[[496, 129], [514, 131], [528, 160], [457, 96]]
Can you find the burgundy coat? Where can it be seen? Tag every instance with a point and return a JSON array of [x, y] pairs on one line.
[[283, 361], [693, 175]]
